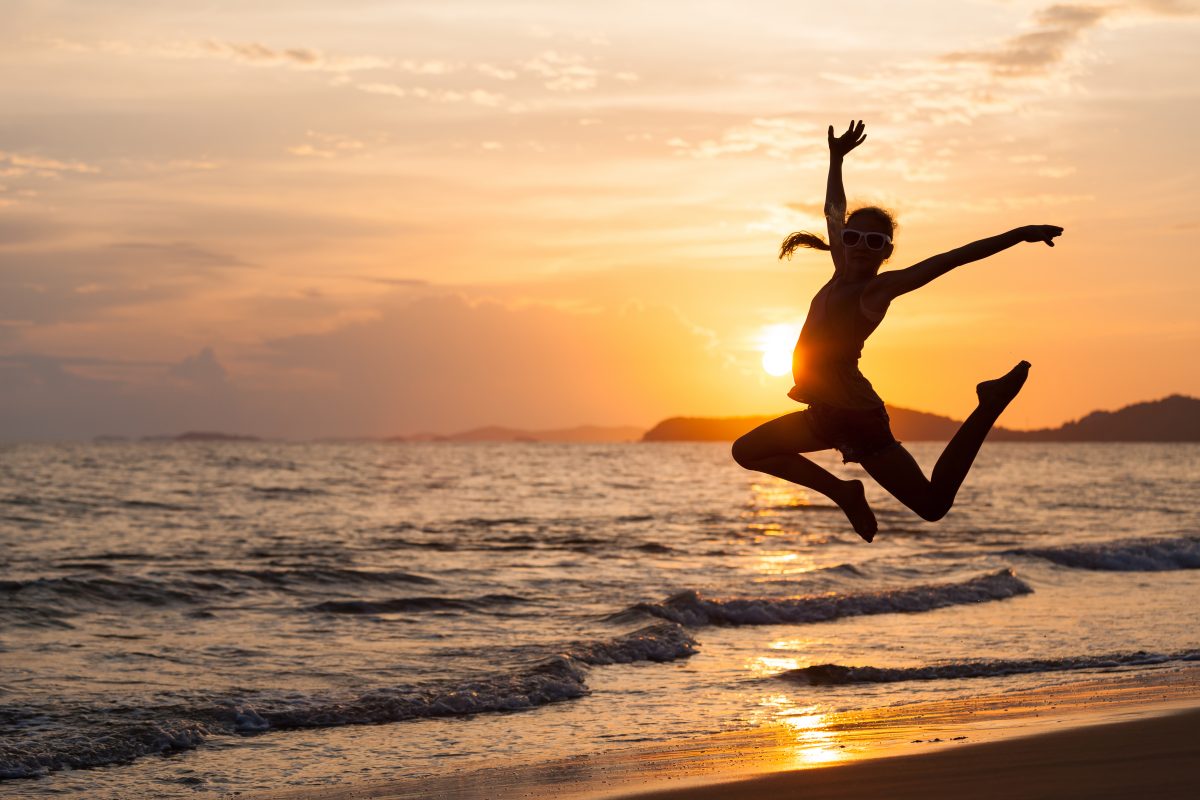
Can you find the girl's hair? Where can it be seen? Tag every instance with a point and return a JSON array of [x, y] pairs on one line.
[[806, 239]]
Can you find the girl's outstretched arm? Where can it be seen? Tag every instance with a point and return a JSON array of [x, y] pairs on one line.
[[887, 286], [835, 193]]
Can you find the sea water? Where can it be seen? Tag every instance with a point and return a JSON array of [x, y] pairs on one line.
[[189, 619]]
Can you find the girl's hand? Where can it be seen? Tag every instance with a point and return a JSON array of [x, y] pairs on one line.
[[1040, 233], [852, 138]]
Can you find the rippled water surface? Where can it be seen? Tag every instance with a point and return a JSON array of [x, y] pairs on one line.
[[186, 619]]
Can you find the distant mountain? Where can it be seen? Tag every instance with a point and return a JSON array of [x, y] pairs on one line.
[[212, 436], [1172, 419], [907, 425], [495, 433]]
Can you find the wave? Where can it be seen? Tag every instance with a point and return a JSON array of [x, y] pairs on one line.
[[47, 601], [318, 575], [165, 728], [689, 608], [286, 491], [1123, 555], [836, 674], [71, 593], [95, 746], [660, 642], [396, 605], [157, 506]]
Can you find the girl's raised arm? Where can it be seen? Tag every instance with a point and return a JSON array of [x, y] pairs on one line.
[[835, 193]]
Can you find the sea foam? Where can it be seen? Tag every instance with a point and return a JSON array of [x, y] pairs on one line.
[[131, 733], [689, 608]]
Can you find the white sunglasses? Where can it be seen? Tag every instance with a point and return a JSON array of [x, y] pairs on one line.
[[874, 241]]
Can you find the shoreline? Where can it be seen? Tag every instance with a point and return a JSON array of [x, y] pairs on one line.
[[1140, 726]]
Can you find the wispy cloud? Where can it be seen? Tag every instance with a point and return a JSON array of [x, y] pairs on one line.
[[253, 53], [563, 72], [775, 137], [479, 97], [327, 145], [258, 54], [1056, 29], [18, 164]]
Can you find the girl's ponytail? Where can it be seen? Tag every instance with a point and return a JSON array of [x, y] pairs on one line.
[[801, 239]]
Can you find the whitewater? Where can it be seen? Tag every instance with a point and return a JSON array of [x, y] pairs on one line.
[[190, 619]]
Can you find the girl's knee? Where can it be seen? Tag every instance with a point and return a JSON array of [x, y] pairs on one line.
[[744, 453], [933, 510]]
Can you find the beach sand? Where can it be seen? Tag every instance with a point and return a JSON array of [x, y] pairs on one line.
[[1156, 757], [1111, 737]]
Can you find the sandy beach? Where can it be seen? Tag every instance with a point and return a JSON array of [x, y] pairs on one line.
[[1110, 737], [1155, 757]]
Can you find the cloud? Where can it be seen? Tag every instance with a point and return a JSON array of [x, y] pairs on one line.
[[774, 137], [562, 72], [48, 397], [50, 286], [499, 73], [1167, 8], [442, 361], [181, 253], [258, 54], [22, 229], [327, 145], [17, 164], [202, 369], [407, 283], [1057, 29], [433, 362], [253, 53], [479, 97]]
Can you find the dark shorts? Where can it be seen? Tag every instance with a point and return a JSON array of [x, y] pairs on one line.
[[856, 433]]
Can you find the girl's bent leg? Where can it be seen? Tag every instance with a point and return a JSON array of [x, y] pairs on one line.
[[898, 472], [774, 448]]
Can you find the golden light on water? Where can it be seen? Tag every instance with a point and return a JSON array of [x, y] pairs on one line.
[[776, 343], [813, 743]]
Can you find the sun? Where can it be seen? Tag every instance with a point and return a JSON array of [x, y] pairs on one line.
[[776, 343]]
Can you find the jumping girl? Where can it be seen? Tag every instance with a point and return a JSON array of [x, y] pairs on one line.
[[844, 412]]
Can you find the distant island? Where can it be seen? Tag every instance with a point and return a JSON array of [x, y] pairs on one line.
[[1172, 419], [189, 436], [495, 433]]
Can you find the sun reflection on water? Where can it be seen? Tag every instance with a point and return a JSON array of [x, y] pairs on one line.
[[813, 743]]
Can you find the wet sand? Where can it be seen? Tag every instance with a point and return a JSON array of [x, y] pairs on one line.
[[1112, 736], [1157, 757]]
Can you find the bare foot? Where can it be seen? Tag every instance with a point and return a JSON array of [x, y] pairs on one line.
[[854, 503], [997, 394]]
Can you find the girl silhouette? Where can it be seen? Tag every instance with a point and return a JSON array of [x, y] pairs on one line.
[[844, 412]]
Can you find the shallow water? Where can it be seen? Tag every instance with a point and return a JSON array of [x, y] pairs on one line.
[[267, 614]]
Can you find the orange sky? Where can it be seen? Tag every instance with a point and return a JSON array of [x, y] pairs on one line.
[[310, 218]]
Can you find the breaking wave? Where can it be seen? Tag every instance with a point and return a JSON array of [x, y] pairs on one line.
[[836, 674], [131, 733], [689, 608], [1124, 555]]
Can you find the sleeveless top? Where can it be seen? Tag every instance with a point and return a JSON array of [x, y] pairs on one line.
[[825, 361]]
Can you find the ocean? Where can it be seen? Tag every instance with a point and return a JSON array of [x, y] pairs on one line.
[[193, 619]]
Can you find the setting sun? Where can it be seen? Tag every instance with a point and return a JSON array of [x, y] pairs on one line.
[[776, 343]]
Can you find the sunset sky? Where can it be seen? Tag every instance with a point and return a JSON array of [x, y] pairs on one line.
[[313, 218]]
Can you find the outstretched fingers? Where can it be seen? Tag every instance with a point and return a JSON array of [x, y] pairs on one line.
[[852, 138], [1041, 233], [1049, 232]]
